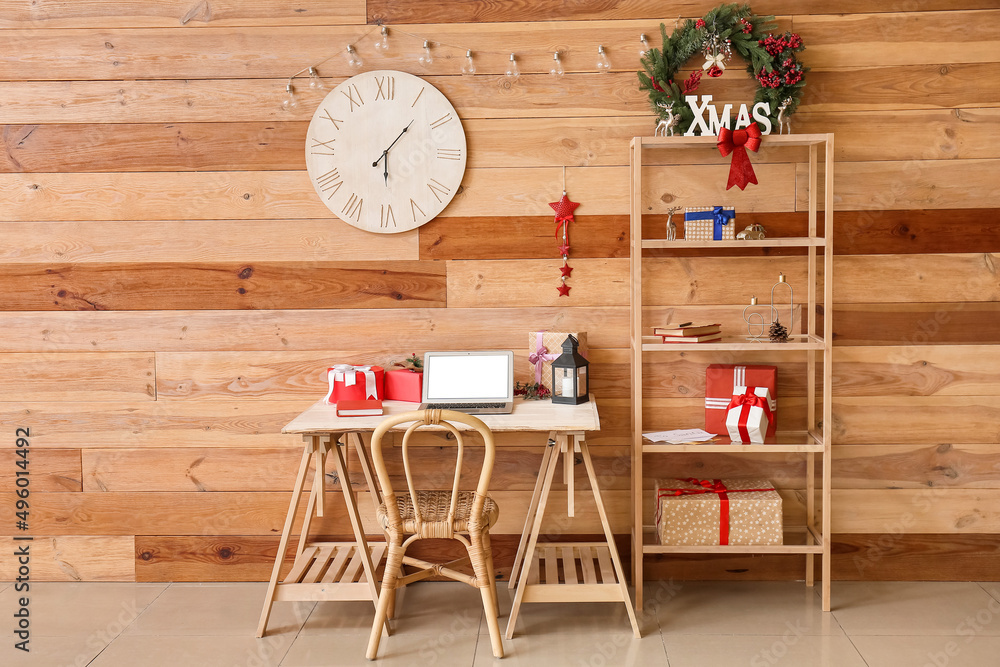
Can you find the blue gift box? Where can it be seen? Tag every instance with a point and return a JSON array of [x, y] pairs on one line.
[[710, 223]]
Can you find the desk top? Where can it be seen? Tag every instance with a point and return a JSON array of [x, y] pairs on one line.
[[527, 416]]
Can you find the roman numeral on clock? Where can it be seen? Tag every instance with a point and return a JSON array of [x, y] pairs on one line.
[[326, 114], [436, 187], [449, 154], [414, 208], [328, 145], [349, 93], [386, 88], [330, 182], [352, 209], [387, 216], [441, 121]]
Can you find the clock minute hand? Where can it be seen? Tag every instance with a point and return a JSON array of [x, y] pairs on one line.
[[393, 142]]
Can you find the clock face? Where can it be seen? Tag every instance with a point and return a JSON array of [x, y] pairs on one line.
[[386, 151]]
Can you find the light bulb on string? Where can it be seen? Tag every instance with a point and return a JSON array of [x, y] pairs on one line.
[[645, 45], [382, 44], [353, 58], [512, 72], [557, 68], [469, 66], [290, 101], [315, 82], [603, 64], [426, 58]]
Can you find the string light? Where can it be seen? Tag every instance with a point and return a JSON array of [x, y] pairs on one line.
[[315, 82], [603, 64], [353, 59], [426, 58], [557, 68], [468, 67], [512, 72], [290, 101], [382, 43], [645, 45]]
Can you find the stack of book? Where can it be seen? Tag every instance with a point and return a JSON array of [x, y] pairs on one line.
[[689, 332]]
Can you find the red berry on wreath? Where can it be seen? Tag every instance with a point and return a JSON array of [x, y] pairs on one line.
[[700, 23]]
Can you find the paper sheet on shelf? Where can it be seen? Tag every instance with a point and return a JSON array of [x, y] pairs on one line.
[[679, 436]]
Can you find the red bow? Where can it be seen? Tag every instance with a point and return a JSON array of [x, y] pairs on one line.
[[749, 400], [736, 142]]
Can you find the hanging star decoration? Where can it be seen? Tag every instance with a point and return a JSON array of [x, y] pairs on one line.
[[564, 215]]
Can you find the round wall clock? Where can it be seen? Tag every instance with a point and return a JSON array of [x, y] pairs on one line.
[[386, 151]]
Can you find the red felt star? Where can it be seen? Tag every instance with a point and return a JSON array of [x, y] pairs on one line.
[[566, 270], [564, 289], [564, 207], [564, 249]]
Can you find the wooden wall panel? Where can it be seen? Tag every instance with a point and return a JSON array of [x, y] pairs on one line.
[[50, 470], [119, 376], [148, 170], [199, 241], [176, 13], [78, 558], [220, 286]]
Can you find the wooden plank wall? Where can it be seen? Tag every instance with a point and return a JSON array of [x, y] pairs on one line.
[[173, 289]]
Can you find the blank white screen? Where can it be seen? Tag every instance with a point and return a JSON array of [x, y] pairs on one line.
[[481, 376]]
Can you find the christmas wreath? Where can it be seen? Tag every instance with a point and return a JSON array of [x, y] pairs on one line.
[[770, 60]]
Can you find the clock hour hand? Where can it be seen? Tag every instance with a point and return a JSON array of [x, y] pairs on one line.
[[385, 167]]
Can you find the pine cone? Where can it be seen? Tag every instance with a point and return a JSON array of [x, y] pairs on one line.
[[778, 333]]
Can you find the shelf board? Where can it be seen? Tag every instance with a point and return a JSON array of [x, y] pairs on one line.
[[651, 546], [789, 242], [796, 342], [773, 139], [783, 441]]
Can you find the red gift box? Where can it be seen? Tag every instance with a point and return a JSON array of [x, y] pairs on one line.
[[721, 382], [354, 383], [404, 385]]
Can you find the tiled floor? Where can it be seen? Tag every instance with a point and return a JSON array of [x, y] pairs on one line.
[[759, 624]]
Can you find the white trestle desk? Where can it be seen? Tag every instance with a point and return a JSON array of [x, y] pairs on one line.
[[550, 572]]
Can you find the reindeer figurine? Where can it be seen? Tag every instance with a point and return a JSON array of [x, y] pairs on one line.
[[671, 227], [783, 122], [668, 124]]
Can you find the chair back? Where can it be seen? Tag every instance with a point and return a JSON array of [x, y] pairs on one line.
[[440, 419]]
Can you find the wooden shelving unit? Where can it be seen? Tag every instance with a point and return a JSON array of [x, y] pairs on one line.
[[812, 440]]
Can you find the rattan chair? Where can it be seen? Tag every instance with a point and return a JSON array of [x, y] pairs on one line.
[[466, 516]]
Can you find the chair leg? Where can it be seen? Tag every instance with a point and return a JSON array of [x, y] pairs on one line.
[[393, 562], [491, 571], [489, 607]]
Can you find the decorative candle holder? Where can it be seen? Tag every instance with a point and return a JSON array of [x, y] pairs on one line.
[[755, 318], [791, 303]]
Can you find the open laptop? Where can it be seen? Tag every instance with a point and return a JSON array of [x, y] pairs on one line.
[[478, 383]]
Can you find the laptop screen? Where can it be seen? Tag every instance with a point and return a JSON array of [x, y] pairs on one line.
[[477, 376]]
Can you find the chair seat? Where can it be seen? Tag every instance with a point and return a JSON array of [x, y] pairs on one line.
[[434, 507]]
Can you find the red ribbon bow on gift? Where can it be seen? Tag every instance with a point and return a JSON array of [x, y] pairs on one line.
[[708, 486], [736, 142], [748, 400]]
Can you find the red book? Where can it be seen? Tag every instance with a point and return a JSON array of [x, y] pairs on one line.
[[356, 408]]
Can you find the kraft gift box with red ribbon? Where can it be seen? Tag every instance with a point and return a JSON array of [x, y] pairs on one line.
[[544, 347], [749, 414], [404, 384], [354, 383], [723, 381], [710, 512], [710, 223]]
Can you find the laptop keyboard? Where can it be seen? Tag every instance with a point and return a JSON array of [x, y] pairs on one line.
[[463, 406]]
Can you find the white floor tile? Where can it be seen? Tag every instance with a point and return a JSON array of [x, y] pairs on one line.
[[97, 610], [172, 651], [611, 647], [73, 651], [913, 608], [789, 648], [217, 609], [349, 651], [952, 651]]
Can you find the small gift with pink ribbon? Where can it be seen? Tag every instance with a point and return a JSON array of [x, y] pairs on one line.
[[700, 512], [544, 347], [749, 416], [354, 383]]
